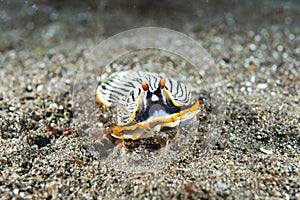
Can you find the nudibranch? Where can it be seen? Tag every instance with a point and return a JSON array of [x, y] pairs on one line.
[[146, 102]]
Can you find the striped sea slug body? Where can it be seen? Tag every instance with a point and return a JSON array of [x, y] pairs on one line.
[[146, 102]]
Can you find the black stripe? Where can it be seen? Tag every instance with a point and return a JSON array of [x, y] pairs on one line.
[[178, 96], [171, 86], [177, 89], [132, 95], [185, 89], [114, 95], [121, 89], [129, 84], [139, 80]]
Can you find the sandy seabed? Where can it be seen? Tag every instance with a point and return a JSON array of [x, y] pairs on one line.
[[256, 48]]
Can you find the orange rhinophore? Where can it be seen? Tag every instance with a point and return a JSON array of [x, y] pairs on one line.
[[145, 86]]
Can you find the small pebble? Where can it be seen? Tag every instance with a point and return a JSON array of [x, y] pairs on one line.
[[259, 137], [190, 188], [221, 186], [53, 106], [28, 88], [11, 108], [39, 88], [262, 86], [252, 47], [265, 151]]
